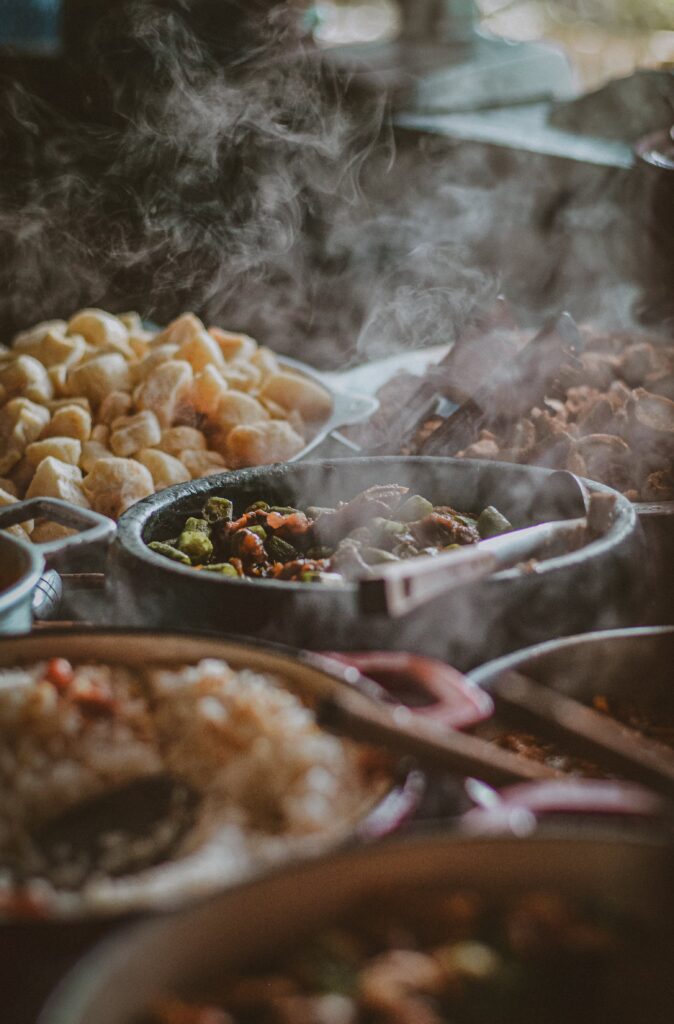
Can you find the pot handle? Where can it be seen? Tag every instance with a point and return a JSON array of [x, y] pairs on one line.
[[427, 686], [520, 807], [93, 528]]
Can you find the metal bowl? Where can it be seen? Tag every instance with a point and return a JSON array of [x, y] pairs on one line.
[[238, 930], [580, 590], [633, 664], [22, 564]]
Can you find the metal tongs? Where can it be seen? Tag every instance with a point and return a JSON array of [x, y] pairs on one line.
[[399, 588]]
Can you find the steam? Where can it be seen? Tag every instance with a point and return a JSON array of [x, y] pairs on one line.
[[183, 163], [194, 155]]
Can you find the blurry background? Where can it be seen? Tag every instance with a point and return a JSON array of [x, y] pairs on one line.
[[604, 38], [248, 159]]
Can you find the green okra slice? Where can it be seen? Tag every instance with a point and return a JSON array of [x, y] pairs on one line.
[[491, 523], [413, 508], [217, 509], [280, 550], [168, 551], [223, 568], [198, 546]]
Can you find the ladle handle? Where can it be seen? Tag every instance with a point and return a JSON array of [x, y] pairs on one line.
[[398, 730], [430, 688], [397, 589]]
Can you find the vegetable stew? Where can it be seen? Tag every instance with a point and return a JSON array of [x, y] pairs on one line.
[[384, 523]]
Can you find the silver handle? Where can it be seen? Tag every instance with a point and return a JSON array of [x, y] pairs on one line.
[[401, 587], [93, 528]]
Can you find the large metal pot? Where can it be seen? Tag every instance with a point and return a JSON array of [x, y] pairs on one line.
[[22, 564], [240, 929], [579, 590]]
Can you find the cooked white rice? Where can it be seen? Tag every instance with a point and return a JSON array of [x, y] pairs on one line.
[[270, 781]]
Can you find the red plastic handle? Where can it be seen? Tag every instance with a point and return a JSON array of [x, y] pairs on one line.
[[429, 687]]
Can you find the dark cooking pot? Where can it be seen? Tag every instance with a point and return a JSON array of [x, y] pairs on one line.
[[622, 664], [654, 174], [575, 591], [22, 563], [616, 662], [242, 929]]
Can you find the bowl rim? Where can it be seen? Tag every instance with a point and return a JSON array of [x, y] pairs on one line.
[[483, 675], [134, 521], [31, 566], [648, 152]]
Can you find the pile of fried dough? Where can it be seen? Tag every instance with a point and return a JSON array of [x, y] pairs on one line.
[[101, 412]]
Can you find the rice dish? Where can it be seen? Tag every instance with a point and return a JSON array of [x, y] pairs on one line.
[[268, 781]]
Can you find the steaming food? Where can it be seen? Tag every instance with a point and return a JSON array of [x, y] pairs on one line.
[[612, 422], [265, 779], [449, 955], [318, 545], [101, 412]]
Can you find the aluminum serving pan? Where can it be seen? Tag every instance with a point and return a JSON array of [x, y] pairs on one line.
[[348, 406]]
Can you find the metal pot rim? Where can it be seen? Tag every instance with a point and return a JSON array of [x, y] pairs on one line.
[[32, 569], [484, 674]]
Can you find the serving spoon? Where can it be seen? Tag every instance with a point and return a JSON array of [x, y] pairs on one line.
[[118, 832]]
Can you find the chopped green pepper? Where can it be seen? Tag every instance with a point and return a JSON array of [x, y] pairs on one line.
[[259, 531], [375, 556], [491, 523], [168, 551], [413, 508], [216, 509]]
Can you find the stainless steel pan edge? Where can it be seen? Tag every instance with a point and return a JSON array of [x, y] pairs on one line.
[[348, 407], [114, 983], [611, 647]]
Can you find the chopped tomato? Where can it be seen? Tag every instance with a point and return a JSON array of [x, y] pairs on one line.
[[94, 699], [59, 673]]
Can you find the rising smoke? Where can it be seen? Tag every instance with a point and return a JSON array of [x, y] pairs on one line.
[[192, 154]]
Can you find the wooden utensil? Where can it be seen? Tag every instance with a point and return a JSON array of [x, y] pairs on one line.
[[399, 731], [585, 732]]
